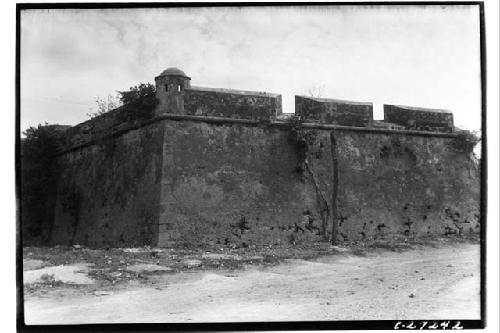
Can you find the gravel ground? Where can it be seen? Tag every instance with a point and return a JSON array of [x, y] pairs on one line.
[[436, 280]]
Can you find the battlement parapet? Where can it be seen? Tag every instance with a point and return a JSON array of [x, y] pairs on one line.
[[176, 96], [416, 118], [102, 125], [334, 111], [229, 103], [94, 128]]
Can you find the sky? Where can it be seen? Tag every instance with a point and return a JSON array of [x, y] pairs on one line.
[[425, 56]]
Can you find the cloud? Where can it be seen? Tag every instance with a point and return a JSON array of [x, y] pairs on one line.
[[416, 55]]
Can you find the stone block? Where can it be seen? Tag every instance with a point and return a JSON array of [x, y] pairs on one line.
[[335, 112], [415, 118], [230, 103]]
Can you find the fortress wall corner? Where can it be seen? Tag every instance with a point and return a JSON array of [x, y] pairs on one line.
[[191, 182], [108, 193]]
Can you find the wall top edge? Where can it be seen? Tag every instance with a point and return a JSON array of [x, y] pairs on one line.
[[332, 100], [419, 109], [277, 123], [235, 91]]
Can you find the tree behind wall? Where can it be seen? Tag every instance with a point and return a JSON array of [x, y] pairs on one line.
[[140, 100], [105, 105], [38, 181]]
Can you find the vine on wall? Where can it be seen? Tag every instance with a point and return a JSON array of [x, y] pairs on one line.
[[302, 139]]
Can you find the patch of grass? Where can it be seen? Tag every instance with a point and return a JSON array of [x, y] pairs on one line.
[[48, 278], [47, 282]]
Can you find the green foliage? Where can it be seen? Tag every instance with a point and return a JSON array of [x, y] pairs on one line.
[[41, 143], [38, 179], [465, 141], [137, 103], [140, 100], [137, 93], [301, 138]]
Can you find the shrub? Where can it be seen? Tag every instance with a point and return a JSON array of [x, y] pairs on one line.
[[137, 93], [140, 100], [465, 141], [41, 143], [105, 105], [301, 139], [137, 103], [47, 278]]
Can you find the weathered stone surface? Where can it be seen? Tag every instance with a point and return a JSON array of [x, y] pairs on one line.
[[230, 103], [414, 186], [230, 184], [103, 125], [433, 120], [130, 180], [195, 183], [331, 111], [386, 125], [245, 189], [108, 193]]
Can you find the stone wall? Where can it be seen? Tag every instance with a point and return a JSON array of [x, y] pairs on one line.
[[113, 121], [192, 182], [432, 120], [231, 184], [409, 185], [108, 193], [240, 185], [229, 103], [204, 166], [332, 111]]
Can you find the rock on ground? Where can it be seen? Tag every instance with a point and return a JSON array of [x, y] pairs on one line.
[[191, 263], [148, 268], [445, 283], [75, 274]]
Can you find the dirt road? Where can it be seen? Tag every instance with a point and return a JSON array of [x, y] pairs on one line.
[[431, 283]]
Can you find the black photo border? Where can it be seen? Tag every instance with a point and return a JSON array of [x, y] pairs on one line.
[[245, 326]]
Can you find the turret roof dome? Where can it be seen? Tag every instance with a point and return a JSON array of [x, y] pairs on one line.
[[173, 71]]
